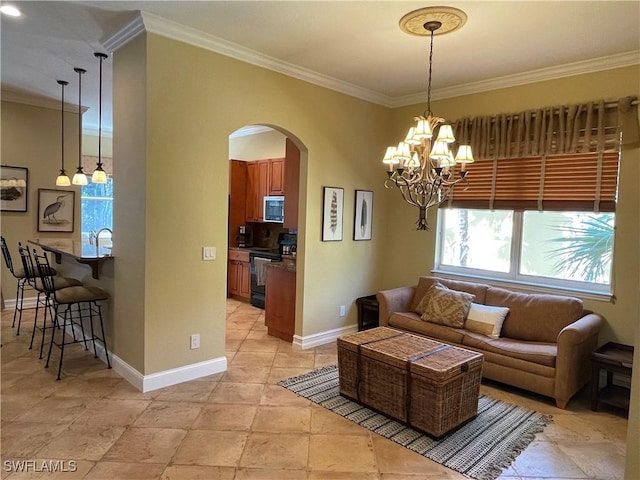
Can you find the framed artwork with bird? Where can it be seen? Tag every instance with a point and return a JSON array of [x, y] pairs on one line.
[[56, 210], [363, 214], [14, 182]]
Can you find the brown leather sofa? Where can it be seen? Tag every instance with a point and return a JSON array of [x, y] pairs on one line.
[[544, 345]]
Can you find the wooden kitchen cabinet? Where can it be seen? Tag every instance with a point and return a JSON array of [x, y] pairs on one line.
[[239, 275], [280, 302], [276, 176], [257, 189]]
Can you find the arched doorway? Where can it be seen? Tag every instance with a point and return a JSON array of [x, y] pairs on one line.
[[264, 211]]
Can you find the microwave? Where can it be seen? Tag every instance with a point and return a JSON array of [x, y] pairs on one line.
[[273, 209]]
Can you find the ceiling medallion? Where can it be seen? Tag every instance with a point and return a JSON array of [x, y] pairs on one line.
[[451, 18]]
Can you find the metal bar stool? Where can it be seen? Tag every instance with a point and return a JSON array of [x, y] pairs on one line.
[[84, 298], [34, 280], [22, 282]]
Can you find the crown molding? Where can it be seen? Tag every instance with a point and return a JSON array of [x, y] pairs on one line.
[[37, 101], [160, 26], [123, 36], [620, 60], [166, 28], [250, 130]]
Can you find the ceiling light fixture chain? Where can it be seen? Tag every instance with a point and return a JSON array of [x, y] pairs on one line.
[[79, 178], [422, 167], [99, 175], [63, 178]]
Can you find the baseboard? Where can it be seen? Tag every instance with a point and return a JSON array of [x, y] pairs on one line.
[[166, 378], [322, 338], [28, 303]]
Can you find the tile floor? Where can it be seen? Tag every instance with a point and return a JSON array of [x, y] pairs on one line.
[[240, 425]]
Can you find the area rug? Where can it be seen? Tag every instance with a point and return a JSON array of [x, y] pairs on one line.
[[480, 449]]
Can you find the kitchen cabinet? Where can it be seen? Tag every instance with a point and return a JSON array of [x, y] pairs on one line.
[[257, 188], [276, 176], [264, 177], [280, 302], [239, 275], [291, 185], [237, 199]]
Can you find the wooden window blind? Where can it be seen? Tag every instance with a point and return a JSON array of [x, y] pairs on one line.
[[568, 182]]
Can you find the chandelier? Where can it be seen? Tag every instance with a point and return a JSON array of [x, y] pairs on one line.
[[421, 168]]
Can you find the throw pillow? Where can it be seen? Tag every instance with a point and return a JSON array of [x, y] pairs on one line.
[[486, 320], [425, 299], [446, 307]]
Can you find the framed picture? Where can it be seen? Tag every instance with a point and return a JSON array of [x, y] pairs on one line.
[[363, 215], [14, 184], [55, 210], [332, 206]]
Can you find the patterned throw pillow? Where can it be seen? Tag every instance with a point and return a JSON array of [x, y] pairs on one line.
[[446, 307], [486, 320]]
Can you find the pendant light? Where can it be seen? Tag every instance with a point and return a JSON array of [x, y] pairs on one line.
[[79, 178], [63, 179], [99, 175]]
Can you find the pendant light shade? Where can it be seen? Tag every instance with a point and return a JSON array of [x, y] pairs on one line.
[[79, 178], [63, 179], [99, 175]]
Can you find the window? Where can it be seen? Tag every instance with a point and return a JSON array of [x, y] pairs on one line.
[[571, 250], [96, 207]]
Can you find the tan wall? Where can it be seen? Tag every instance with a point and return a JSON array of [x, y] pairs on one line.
[[90, 145], [257, 146], [187, 133], [609, 85], [42, 158]]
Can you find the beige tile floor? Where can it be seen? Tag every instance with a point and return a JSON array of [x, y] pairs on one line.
[[241, 425]]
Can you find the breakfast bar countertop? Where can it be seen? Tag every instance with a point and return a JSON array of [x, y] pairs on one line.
[[83, 253]]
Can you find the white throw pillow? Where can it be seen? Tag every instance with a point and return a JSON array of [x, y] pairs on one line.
[[486, 319]]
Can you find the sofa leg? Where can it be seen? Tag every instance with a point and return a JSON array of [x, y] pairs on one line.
[[561, 403]]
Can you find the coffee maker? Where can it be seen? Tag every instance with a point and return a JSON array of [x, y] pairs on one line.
[[245, 236]]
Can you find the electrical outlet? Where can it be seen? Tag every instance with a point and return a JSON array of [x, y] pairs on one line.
[[195, 341], [343, 310]]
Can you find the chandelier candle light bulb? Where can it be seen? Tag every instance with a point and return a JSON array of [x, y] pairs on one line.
[[424, 174]]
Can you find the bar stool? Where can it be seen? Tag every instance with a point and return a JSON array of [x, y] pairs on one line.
[[35, 282], [84, 298], [22, 281]]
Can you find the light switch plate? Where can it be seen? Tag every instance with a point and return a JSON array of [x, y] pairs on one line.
[[208, 253]]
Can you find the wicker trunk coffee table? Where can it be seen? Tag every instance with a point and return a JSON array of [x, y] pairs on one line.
[[428, 385]]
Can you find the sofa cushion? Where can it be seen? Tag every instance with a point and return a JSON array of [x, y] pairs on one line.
[[446, 307], [535, 352], [424, 283], [535, 317], [411, 322], [486, 319]]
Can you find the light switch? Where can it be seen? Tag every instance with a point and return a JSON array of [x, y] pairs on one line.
[[208, 253]]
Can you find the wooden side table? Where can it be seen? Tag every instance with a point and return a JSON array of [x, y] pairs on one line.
[[613, 358], [368, 311]]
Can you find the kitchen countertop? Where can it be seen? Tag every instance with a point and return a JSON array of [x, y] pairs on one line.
[[81, 252]]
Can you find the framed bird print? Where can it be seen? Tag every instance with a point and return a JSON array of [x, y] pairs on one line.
[[363, 215], [14, 182], [332, 205], [55, 210]]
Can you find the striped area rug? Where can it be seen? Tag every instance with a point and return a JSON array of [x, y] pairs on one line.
[[480, 449]]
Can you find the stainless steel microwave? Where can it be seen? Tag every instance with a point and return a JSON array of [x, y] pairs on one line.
[[273, 209]]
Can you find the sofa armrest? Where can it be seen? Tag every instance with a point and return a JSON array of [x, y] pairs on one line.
[[394, 300], [576, 342]]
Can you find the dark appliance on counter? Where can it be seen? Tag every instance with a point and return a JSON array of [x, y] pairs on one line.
[[259, 257], [245, 236]]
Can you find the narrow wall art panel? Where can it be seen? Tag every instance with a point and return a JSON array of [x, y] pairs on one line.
[[333, 204], [362, 226]]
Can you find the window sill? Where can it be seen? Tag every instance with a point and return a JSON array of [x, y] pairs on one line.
[[529, 287]]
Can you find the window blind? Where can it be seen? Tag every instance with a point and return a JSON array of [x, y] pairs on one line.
[[569, 182]]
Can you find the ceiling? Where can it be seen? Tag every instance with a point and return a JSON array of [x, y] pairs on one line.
[[354, 47]]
